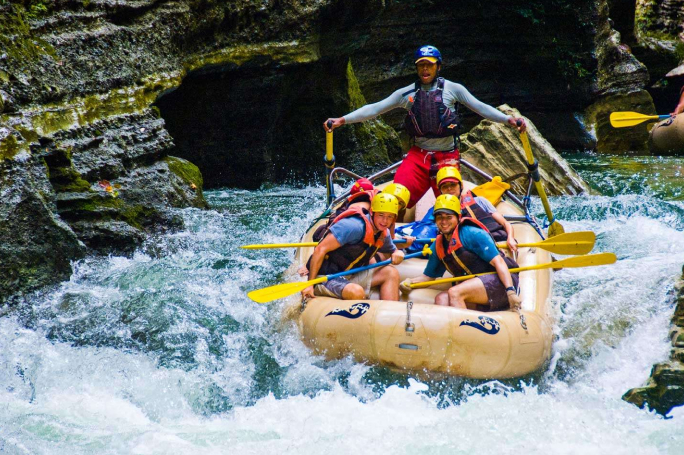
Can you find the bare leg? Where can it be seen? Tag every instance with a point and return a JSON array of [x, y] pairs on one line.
[[442, 299], [388, 280], [353, 291], [470, 291]]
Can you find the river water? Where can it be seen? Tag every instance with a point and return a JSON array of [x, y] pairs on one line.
[[163, 352]]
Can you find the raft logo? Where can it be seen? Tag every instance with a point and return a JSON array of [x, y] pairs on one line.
[[485, 324], [355, 311]]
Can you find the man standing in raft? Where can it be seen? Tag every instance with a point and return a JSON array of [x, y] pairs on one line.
[[432, 121], [352, 241], [465, 247]]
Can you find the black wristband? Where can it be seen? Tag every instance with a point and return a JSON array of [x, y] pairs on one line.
[[511, 288]]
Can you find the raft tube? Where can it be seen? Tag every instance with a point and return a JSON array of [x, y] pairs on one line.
[[427, 337], [667, 137]]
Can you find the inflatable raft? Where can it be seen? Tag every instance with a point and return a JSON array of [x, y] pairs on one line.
[[667, 137], [415, 335]]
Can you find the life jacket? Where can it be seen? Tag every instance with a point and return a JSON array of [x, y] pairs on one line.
[[321, 230], [429, 116], [353, 255], [458, 260], [471, 209]]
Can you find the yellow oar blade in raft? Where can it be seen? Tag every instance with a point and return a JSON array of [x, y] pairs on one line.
[[569, 243], [577, 261], [280, 291], [625, 119]]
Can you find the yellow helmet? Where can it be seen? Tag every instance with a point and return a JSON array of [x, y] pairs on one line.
[[385, 203], [448, 203], [400, 191], [451, 173]]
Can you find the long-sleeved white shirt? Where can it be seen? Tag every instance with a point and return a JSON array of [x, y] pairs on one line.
[[453, 93]]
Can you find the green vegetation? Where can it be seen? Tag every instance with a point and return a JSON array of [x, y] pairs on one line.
[[16, 38]]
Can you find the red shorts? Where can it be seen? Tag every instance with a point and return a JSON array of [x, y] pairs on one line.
[[418, 171]]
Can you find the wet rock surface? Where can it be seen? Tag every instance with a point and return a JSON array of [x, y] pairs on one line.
[[665, 388], [497, 148]]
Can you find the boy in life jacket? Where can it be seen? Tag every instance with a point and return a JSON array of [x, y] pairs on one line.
[[464, 247], [432, 121], [351, 242], [449, 182]]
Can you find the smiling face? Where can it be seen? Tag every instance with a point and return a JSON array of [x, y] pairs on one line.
[[446, 222], [427, 71], [383, 220]]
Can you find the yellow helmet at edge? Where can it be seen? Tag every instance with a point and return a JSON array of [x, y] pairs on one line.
[[449, 172], [448, 203], [385, 203], [400, 191]]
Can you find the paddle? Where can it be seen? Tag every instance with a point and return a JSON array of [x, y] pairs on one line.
[[568, 243], [589, 260], [283, 290], [555, 228], [625, 119], [329, 161], [265, 246]]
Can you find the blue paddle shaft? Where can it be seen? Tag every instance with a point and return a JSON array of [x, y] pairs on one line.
[[370, 266]]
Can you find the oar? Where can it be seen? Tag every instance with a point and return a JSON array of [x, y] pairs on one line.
[[589, 260], [569, 243], [283, 290], [555, 228], [625, 119], [265, 246]]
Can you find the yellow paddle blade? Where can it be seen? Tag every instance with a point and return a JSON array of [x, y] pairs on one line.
[[282, 290], [589, 260], [625, 119], [569, 243], [264, 246]]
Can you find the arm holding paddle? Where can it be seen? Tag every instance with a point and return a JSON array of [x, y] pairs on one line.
[[504, 275], [510, 240]]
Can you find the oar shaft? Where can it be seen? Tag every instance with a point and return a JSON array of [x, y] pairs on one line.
[[372, 266], [577, 261], [266, 246]]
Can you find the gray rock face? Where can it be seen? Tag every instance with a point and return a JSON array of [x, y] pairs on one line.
[[36, 246], [497, 148]]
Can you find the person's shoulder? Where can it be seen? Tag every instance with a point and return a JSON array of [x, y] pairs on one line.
[[453, 85], [485, 204], [402, 91]]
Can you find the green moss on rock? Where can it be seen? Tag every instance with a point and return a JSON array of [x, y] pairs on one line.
[[379, 143]]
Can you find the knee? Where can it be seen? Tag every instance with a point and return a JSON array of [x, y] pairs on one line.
[[392, 274], [442, 299], [454, 292], [353, 291]]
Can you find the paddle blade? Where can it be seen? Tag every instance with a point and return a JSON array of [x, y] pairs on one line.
[[590, 260], [279, 291], [626, 119], [568, 243]]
